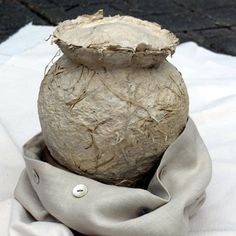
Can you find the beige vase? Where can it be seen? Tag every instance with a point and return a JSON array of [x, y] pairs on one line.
[[112, 104]]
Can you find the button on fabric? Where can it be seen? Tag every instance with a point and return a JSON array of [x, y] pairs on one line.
[[80, 190], [35, 177]]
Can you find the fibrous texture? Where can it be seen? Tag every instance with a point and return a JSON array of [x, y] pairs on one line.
[[111, 124], [112, 104], [98, 41]]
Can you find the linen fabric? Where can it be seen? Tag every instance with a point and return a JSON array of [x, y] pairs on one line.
[[174, 194]]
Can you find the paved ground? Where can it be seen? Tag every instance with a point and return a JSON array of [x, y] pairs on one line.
[[210, 23]]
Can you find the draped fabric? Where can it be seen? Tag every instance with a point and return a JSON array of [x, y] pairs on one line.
[[174, 194]]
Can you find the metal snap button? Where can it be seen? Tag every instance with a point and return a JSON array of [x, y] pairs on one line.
[[35, 177], [79, 190]]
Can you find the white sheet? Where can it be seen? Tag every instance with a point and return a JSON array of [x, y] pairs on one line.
[[211, 83]]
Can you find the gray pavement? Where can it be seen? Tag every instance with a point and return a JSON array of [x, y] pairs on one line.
[[210, 23]]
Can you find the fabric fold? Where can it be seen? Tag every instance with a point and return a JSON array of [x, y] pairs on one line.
[[174, 194]]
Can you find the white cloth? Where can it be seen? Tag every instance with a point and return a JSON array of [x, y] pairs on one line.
[[211, 83]]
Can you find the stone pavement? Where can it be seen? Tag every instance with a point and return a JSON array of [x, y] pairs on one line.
[[210, 23]]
